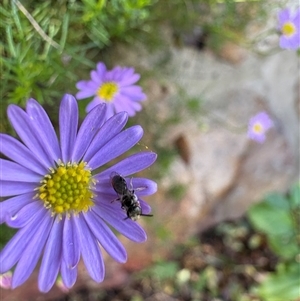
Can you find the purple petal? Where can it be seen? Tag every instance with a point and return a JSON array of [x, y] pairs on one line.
[[123, 104], [132, 92], [70, 247], [24, 216], [126, 81], [32, 252], [52, 257], [18, 152], [27, 132], [260, 138], [110, 197], [96, 78], [9, 188], [90, 250], [289, 42], [89, 128], [10, 207], [14, 172], [91, 105], [284, 16], [117, 73], [111, 75], [146, 209], [117, 146], [126, 72], [106, 237], [68, 123], [143, 186], [88, 89], [44, 128], [84, 94], [136, 105], [110, 129], [296, 20], [101, 69], [130, 165], [82, 85], [14, 249], [110, 111], [88, 86], [105, 186], [128, 228], [68, 275]]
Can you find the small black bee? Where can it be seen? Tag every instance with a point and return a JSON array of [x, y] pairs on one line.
[[127, 197]]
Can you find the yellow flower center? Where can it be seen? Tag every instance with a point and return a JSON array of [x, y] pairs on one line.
[[288, 29], [107, 91], [257, 128], [67, 188]]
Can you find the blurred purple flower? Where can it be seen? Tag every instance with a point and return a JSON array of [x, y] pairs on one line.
[[258, 126], [115, 87], [5, 280], [60, 284], [60, 205], [289, 26]]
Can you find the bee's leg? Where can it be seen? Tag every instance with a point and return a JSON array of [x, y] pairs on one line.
[[131, 185], [117, 199]]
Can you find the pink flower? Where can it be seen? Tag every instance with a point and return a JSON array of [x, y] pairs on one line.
[[115, 88], [258, 126], [289, 26]]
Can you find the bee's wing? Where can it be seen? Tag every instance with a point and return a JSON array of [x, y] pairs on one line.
[[114, 173], [118, 183]]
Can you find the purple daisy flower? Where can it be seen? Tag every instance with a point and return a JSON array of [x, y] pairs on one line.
[[258, 126], [289, 26], [115, 87], [61, 207]]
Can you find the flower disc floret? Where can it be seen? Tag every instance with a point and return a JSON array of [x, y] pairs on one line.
[[67, 189], [288, 29], [258, 128], [107, 91]]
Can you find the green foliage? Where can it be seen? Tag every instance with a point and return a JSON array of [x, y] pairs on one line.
[[5, 234], [219, 20], [230, 20], [109, 19], [177, 192], [164, 270], [43, 44], [278, 218], [45, 47], [284, 284]]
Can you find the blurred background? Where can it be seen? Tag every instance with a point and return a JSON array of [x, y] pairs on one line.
[[227, 209]]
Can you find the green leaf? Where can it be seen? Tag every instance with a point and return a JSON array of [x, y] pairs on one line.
[[278, 200], [284, 285], [274, 217], [270, 218], [295, 195], [284, 246], [165, 270]]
